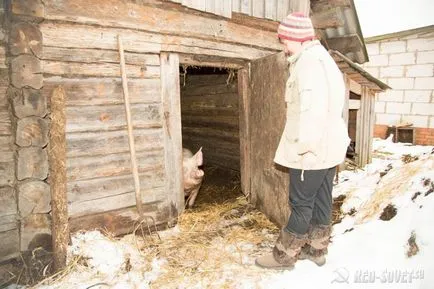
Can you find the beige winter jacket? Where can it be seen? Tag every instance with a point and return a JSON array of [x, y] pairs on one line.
[[315, 135]]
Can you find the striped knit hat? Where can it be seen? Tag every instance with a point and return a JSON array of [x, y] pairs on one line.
[[296, 27]]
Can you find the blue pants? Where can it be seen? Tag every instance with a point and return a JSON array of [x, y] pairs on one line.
[[311, 199]]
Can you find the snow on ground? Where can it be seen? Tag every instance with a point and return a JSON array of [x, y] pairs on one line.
[[366, 252]]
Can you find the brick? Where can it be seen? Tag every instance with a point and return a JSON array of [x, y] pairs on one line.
[[423, 108], [392, 71], [393, 47], [380, 107], [416, 120], [424, 83], [373, 48], [378, 60], [401, 83], [420, 70], [374, 71], [417, 96], [391, 95], [388, 119], [421, 44], [402, 58], [425, 57], [397, 107]]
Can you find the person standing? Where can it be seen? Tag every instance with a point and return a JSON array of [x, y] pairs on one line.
[[313, 143]]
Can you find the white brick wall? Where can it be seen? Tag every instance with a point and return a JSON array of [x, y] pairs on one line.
[[423, 108], [402, 58], [420, 70], [407, 66], [424, 83], [416, 120], [420, 44], [417, 96], [398, 107], [392, 71]]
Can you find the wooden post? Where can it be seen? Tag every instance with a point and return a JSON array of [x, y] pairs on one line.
[[130, 129], [243, 86], [57, 155]]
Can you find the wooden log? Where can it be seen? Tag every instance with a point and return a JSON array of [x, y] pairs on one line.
[[112, 117], [34, 9], [8, 223], [8, 202], [33, 198], [170, 91], [121, 221], [28, 102], [101, 91], [26, 71], [211, 61], [222, 100], [6, 144], [59, 200], [32, 131], [25, 38], [154, 19], [7, 173], [110, 142], [82, 168], [10, 244], [222, 122], [207, 90], [36, 232], [5, 123], [115, 202], [211, 132], [72, 69], [84, 55], [32, 163], [93, 37], [100, 188]]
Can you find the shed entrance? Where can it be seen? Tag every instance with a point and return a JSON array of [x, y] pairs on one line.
[[210, 119]]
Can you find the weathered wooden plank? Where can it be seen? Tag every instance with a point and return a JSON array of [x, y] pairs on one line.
[[217, 100], [258, 9], [155, 19], [330, 18], [2, 57], [7, 156], [302, 6], [9, 222], [205, 90], [270, 9], [246, 7], [222, 146], [244, 131], [72, 69], [223, 122], [112, 117], [210, 61], [209, 111], [211, 132], [10, 244], [121, 221], [33, 198], [222, 160], [205, 80], [86, 190], [81, 208], [99, 91], [97, 56], [170, 91], [282, 9], [26, 8], [83, 36], [81, 168], [109, 142], [8, 202], [344, 44]]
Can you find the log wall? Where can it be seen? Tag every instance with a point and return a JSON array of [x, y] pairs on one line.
[[210, 118]]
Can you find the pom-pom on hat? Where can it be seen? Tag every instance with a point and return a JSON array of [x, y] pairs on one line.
[[296, 27]]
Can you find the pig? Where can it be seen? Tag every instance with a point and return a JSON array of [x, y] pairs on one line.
[[193, 176]]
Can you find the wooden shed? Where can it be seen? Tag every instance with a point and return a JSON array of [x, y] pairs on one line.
[[200, 74]]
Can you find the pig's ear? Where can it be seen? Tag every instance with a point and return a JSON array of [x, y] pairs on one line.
[[199, 157]]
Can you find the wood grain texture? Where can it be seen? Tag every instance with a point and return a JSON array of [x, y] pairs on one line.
[[32, 131], [25, 38], [26, 71], [32, 163]]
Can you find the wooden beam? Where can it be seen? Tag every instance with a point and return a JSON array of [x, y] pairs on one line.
[[327, 19], [345, 44], [211, 61], [244, 104], [354, 104], [320, 5], [171, 97]]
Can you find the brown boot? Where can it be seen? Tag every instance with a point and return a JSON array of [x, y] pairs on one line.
[[285, 252], [316, 247]]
